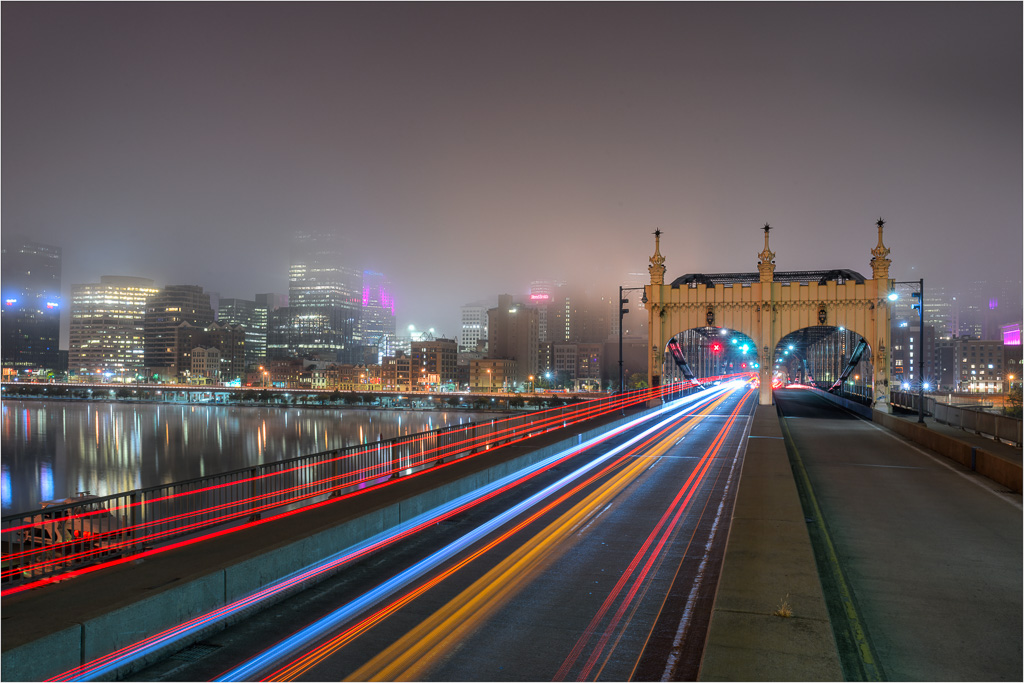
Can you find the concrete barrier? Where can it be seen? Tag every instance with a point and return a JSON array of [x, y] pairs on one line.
[[998, 469], [988, 464]]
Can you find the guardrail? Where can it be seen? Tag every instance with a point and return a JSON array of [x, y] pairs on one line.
[[999, 427], [42, 544]]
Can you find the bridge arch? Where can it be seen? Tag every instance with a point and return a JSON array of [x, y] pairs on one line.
[[766, 306]]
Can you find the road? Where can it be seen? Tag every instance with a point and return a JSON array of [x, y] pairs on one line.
[[920, 559], [604, 568]]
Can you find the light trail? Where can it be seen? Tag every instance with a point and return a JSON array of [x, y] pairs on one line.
[[410, 657], [133, 538], [316, 630], [661, 533], [296, 668], [108, 663]]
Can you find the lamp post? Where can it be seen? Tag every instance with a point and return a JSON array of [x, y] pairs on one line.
[[622, 312], [919, 295]]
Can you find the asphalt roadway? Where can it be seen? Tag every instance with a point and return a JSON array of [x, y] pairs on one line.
[[920, 559], [516, 611]]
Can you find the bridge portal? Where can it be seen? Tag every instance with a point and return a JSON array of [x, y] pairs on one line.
[[769, 306]]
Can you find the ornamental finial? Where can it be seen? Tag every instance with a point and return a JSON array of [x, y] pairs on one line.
[[879, 256], [657, 267], [766, 264]]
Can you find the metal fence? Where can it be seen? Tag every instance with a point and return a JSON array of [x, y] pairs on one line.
[[999, 427], [52, 541]]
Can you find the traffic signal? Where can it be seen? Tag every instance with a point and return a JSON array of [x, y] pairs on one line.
[[622, 307], [716, 347], [917, 304]]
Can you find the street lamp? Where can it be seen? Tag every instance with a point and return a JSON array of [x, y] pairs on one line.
[[622, 312], [919, 307]]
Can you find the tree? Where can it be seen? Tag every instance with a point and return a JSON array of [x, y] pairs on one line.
[[636, 381], [1012, 404]]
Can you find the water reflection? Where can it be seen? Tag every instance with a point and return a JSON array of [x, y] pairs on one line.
[[53, 449]]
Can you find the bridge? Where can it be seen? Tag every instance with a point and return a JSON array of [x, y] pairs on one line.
[[691, 530], [820, 311]]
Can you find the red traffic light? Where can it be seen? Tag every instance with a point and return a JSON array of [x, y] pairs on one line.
[[716, 347]]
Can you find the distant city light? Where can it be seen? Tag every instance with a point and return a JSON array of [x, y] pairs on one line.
[[11, 302]]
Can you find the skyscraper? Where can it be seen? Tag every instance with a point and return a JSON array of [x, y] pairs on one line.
[[107, 326], [377, 324], [165, 311], [324, 297], [474, 325], [30, 274], [253, 318]]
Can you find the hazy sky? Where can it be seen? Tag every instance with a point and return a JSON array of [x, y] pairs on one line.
[[468, 149]]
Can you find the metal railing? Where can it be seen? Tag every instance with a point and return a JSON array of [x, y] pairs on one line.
[[996, 426], [45, 543]]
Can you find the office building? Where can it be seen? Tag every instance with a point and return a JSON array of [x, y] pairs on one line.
[[165, 311], [30, 278], [512, 335], [474, 326], [324, 298], [435, 362], [253, 319], [108, 327], [377, 321]]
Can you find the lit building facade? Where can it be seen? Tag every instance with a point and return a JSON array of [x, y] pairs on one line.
[[377, 322], [30, 277], [325, 299], [474, 326], [973, 366], [253, 318], [108, 327], [435, 362], [488, 375]]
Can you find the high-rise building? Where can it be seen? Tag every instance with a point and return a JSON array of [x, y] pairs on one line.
[[325, 298], [512, 335], [253, 319], [377, 324], [228, 341], [30, 280], [474, 325], [107, 327], [165, 311]]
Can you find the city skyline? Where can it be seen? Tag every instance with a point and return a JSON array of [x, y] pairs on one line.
[[468, 150]]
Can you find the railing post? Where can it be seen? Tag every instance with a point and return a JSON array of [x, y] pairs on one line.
[[253, 492]]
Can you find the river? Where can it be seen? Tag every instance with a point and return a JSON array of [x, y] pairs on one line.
[[54, 449]]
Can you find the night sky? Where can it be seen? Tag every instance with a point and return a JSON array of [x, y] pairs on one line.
[[467, 149]]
